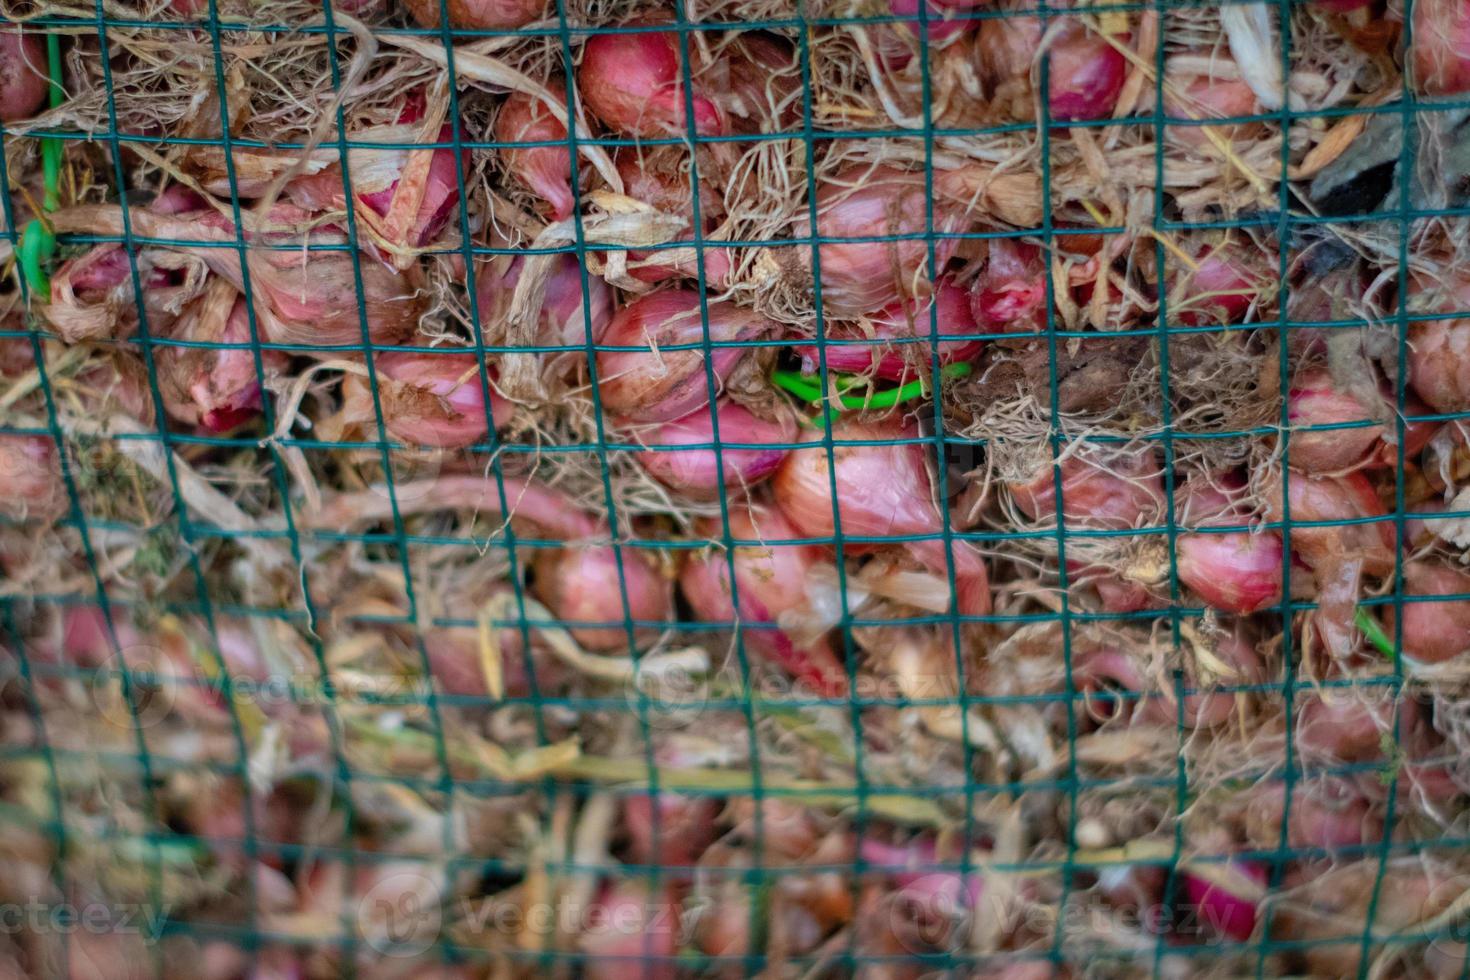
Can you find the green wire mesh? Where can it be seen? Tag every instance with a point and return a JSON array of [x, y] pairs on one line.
[[162, 854]]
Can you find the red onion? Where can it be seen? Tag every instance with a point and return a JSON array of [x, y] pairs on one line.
[[771, 581], [1326, 813], [484, 15], [860, 277], [694, 473], [1107, 667], [578, 582], [216, 389], [1434, 632], [634, 84], [1344, 725], [686, 826], [92, 295], [1085, 75], [1220, 94], [631, 929], [1100, 488], [1009, 296], [298, 302], [900, 320], [656, 385], [546, 170], [30, 479], [24, 79], [1229, 280], [1339, 498], [454, 661], [564, 311], [1233, 571], [880, 490], [1439, 363], [1441, 55], [1314, 400], [437, 399], [1228, 909], [660, 178]]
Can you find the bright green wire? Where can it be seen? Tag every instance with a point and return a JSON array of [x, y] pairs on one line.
[[38, 241], [1374, 633], [798, 385]]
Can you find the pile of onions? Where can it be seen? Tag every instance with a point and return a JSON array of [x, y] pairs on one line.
[[484, 15], [648, 383], [578, 582], [660, 178], [545, 170], [771, 581], [216, 389], [1009, 295], [1233, 571], [863, 348], [1441, 53], [308, 303], [1433, 631], [23, 75], [880, 490], [695, 472], [437, 398], [31, 488], [867, 202], [634, 83], [1085, 72]]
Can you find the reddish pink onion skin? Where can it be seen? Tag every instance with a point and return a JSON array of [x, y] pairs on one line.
[[1107, 667], [1313, 400], [686, 826], [901, 320], [454, 662], [860, 277], [633, 83], [1434, 632], [771, 580], [1343, 725], [1326, 813], [564, 311], [440, 194], [1441, 54], [695, 473], [1228, 279], [215, 389], [580, 584], [486, 15], [31, 488], [1085, 75], [1009, 296], [436, 399], [657, 385], [646, 179], [1119, 492], [631, 930], [1223, 911], [880, 490], [545, 170], [23, 74], [1439, 363], [1203, 98], [1233, 571], [1340, 498]]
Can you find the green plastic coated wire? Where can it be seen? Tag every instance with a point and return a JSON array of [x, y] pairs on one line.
[[1374, 633], [798, 384], [38, 241]]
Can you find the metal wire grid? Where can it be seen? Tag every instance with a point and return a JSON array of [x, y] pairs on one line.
[[864, 798]]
